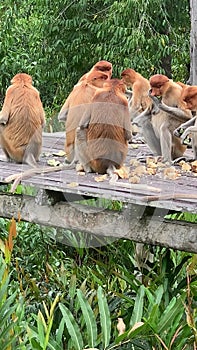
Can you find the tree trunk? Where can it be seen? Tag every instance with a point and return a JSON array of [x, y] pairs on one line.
[[193, 43]]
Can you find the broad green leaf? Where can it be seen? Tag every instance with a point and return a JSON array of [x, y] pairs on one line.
[[6, 307], [89, 318], [153, 317], [72, 327], [172, 311], [41, 328], [59, 331], [158, 294], [138, 307], [104, 317]]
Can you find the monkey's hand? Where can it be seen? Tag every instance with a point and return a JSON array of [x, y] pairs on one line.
[[3, 118], [155, 99], [62, 116], [156, 104]]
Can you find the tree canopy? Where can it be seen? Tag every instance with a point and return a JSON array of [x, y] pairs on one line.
[[57, 41]]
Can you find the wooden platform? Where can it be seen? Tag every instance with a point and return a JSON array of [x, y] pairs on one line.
[[140, 219]]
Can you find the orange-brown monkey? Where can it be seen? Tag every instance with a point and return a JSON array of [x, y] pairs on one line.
[[22, 119], [189, 98], [157, 128], [140, 87], [100, 66], [101, 137], [103, 133], [74, 107]]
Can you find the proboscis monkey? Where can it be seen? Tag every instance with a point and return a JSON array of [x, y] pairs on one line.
[[189, 98], [157, 128], [74, 106], [140, 87], [22, 119], [102, 136], [104, 131], [100, 66]]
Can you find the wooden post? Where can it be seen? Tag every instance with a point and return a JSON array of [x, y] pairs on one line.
[[193, 43]]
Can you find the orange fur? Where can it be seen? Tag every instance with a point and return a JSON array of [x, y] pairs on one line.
[[23, 117], [171, 94], [100, 66], [108, 128], [74, 107], [140, 87], [189, 97]]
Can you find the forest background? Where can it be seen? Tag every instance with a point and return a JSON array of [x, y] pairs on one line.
[[56, 296]]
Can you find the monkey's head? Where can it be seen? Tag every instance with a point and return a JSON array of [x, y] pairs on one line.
[[157, 83], [189, 97], [103, 66], [22, 79], [97, 78], [129, 77]]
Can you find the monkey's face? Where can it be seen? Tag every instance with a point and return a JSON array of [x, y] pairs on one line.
[[104, 66], [158, 83], [156, 91]]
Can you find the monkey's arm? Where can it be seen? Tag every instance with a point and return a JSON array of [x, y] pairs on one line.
[[155, 103], [5, 112], [191, 122], [142, 118], [166, 142], [143, 121], [178, 113], [62, 116]]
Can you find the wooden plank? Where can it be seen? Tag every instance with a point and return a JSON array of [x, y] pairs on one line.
[[129, 223], [87, 186]]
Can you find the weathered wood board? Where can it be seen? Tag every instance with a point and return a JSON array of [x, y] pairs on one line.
[[85, 185], [133, 222]]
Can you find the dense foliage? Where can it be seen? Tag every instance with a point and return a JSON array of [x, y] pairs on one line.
[[57, 41], [59, 297], [54, 296]]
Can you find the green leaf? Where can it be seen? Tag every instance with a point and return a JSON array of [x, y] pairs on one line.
[[72, 327], [153, 317], [138, 306], [141, 330], [174, 308], [104, 317], [158, 294], [72, 286], [89, 318], [41, 329], [59, 332]]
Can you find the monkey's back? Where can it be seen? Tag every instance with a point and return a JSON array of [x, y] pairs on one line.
[[25, 121], [106, 131]]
